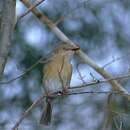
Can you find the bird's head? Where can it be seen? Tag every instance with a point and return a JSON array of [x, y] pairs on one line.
[[66, 49]]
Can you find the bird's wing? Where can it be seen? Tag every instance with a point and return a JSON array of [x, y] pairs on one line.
[[47, 59]]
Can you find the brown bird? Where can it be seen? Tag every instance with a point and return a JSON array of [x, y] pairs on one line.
[[57, 73]]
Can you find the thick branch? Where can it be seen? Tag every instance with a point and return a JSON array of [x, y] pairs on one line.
[[86, 59], [7, 21]]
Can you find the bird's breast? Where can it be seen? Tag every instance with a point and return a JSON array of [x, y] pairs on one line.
[[56, 75]]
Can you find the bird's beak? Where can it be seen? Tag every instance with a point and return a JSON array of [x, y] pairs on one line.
[[75, 48]]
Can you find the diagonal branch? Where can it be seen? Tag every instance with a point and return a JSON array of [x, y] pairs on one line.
[[24, 73], [44, 19], [29, 9], [35, 103]]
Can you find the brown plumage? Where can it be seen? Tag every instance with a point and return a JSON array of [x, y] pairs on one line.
[[57, 73]]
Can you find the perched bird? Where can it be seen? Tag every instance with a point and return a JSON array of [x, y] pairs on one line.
[[57, 72]]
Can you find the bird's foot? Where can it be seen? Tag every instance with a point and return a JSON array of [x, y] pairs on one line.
[[64, 91]]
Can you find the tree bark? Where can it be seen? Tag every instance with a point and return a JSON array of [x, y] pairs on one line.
[[7, 20]]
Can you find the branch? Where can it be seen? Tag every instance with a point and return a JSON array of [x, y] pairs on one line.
[[108, 114], [44, 19], [54, 95], [35, 103], [115, 59], [24, 73], [29, 9], [69, 14], [80, 75], [126, 76], [7, 22]]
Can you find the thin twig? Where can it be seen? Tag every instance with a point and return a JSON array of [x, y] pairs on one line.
[[93, 77], [24, 73], [80, 5], [35, 103], [92, 92], [29, 9], [101, 81], [106, 124], [69, 14], [80, 75], [115, 59]]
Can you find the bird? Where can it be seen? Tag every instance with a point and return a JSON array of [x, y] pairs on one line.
[[57, 72]]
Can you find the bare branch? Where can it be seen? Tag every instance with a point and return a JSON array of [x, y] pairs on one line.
[[106, 125], [44, 19], [35, 103], [126, 76], [80, 75], [29, 9], [114, 60], [69, 14], [24, 73]]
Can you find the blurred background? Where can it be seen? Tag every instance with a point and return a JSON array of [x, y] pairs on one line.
[[102, 29]]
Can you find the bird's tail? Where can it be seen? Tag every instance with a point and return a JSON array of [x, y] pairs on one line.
[[46, 115]]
